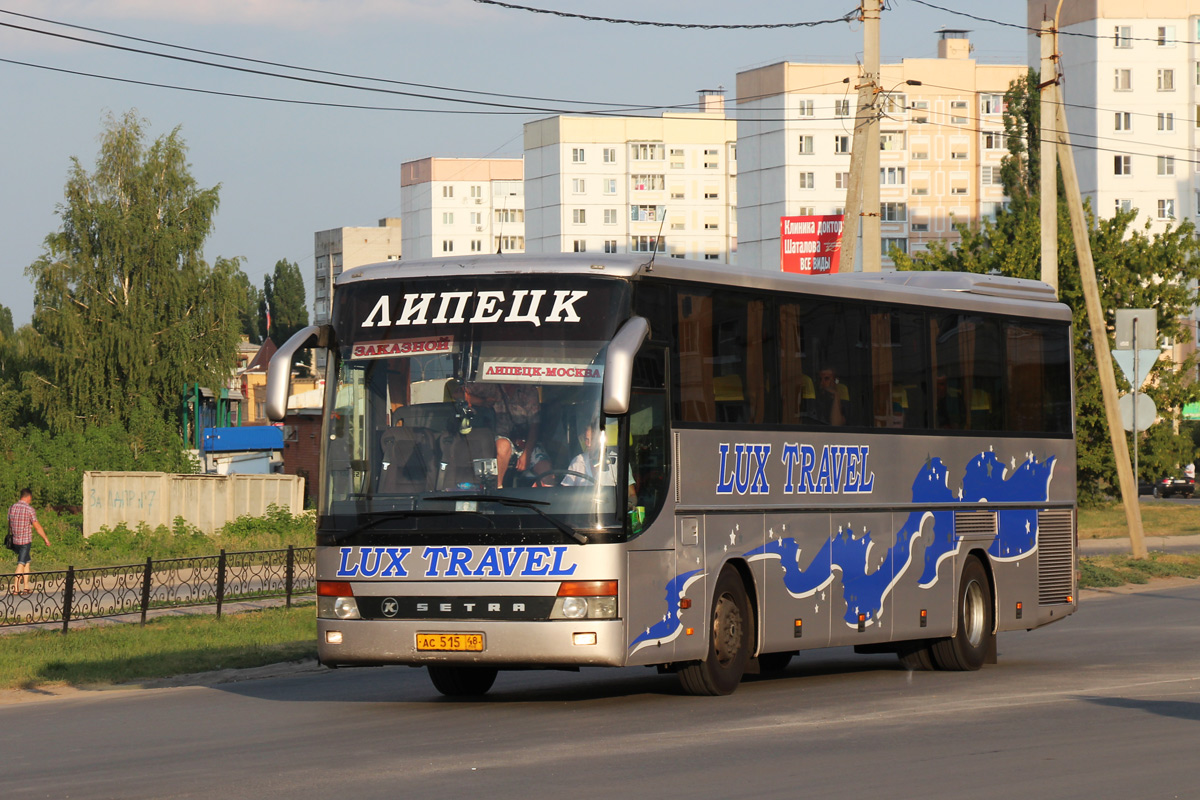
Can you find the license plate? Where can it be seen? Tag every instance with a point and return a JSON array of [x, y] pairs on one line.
[[454, 642]]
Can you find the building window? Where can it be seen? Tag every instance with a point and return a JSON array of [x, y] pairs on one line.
[[610, 245], [580, 246], [579, 216], [1166, 121], [476, 218], [509, 243], [648, 244], [892, 176], [676, 158], [1166, 36], [887, 243], [578, 185], [993, 140], [645, 213], [1122, 165], [477, 191], [1166, 80], [992, 103], [805, 109], [841, 144], [610, 185], [919, 155], [895, 104], [808, 180], [1122, 36], [1166, 165], [891, 140], [1123, 205], [893, 212], [958, 155], [1166, 208], [806, 145], [712, 159], [447, 246], [578, 156], [841, 180], [1122, 80], [919, 227], [447, 191], [476, 245], [677, 193], [610, 216], [447, 217], [1122, 121], [805, 211], [920, 112], [644, 183], [958, 112], [646, 151], [610, 155], [712, 194], [711, 225], [841, 108], [989, 176], [958, 188], [712, 257], [919, 190]]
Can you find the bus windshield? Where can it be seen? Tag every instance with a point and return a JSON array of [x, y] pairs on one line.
[[474, 404]]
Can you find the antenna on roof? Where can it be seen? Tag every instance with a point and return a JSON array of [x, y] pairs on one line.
[[657, 240]]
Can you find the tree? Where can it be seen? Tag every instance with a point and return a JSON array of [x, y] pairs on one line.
[[250, 300], [284, 292], [1135, 269], [126, 312]]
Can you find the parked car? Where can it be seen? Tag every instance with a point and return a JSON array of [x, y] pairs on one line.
[[1168, 487]]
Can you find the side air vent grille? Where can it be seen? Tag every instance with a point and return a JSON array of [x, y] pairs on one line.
[[975, 526], [1056, 559]]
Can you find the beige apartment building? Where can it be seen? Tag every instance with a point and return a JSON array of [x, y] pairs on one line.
[[462, 206], [338, 249], [634, 184], [941, 141]]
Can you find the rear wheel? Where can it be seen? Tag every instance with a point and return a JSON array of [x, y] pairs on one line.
[[462, 681], [967, 649], [728, 644], [916, 656]]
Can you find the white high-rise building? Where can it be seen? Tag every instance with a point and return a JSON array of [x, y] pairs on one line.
[[339, 249], [941, 141], [462, 206], [1132, 88], [634, 184]]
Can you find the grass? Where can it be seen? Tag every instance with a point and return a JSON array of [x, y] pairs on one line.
[[165, 647], [1097, 572], [1158, 519]]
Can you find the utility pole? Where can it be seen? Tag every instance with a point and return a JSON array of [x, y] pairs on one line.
[[1049, 165], [862, 195], [1095, 312]]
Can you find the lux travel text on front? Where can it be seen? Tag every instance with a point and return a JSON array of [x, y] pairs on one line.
[[524, 561]]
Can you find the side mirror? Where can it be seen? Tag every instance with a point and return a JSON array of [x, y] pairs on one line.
[[279, 372], [618, 365]]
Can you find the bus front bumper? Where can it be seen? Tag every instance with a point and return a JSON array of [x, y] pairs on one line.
[[554, 643]]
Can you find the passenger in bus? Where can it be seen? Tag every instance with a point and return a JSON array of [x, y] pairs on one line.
[[518, 411], [833, 398], [595, 461]]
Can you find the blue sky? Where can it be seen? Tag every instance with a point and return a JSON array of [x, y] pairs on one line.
[[288, 170]]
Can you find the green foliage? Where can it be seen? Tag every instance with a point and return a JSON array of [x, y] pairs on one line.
[[1118, 570], [249, 298], [284, 290], [122, 545], [126, 310], [1135, 269]]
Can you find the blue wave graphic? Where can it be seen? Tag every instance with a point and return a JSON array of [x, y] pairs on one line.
[[668, 627]]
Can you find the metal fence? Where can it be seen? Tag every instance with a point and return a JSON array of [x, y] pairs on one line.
[[69, 595]]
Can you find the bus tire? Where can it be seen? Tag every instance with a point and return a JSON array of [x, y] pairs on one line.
[[967, 649], [728, 644], [462, 681], [916, 656]]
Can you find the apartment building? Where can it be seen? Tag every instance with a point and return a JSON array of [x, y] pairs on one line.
[[462, 206], [343, 248], [941, 141], [634, 184], [1132, 87]]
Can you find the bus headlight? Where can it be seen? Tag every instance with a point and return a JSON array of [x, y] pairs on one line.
[[586, 600], [575, 607], [337, 608]]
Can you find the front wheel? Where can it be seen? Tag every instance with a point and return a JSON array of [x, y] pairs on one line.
[[967, 649], [728, 644], [462, 681]]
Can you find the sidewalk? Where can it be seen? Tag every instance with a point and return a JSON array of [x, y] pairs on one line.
[[1166, 544]]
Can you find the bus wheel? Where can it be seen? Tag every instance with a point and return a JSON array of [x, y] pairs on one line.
[[462, 681], [729, 643], [967, 649], [916, 656]]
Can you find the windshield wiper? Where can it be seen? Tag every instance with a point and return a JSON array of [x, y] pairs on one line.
[[515, 502], [384, 516]]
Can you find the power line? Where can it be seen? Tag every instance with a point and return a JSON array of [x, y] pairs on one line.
[[847, 17]]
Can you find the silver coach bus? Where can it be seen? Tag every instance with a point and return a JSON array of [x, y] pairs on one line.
[[582, 460]]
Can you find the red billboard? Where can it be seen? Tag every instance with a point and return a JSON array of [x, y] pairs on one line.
[[810, 245]]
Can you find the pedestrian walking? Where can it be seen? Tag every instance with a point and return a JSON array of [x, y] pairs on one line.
[[22, 522]]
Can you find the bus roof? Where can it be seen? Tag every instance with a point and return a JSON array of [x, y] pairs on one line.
[[959, 290]]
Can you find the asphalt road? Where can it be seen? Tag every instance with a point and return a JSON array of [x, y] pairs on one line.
[[1105, 704]]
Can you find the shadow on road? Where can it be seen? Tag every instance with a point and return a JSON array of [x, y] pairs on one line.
[[1164, 708]]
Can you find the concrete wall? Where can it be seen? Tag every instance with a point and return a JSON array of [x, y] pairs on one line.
[[206, 501]]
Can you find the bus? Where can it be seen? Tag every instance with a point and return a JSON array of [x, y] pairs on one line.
[[573, 460]]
